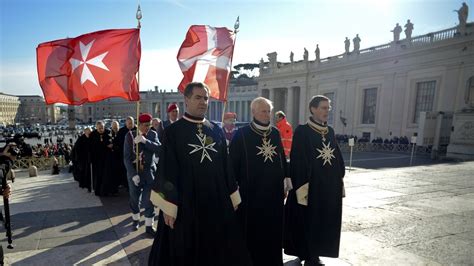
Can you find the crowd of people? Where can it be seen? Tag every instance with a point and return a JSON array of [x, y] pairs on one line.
[[221, 190]]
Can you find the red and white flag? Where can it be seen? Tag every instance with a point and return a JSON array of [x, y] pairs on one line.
[[206, 56], [91, 67]]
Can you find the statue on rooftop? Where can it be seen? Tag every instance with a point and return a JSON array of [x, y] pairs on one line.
[[408, 29], [356, 41], [463, 12], [347, 45], [396, 33], [317, 53]]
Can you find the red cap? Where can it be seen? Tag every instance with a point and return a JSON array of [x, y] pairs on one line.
[[172, 107], [144, 118], [230, 115]]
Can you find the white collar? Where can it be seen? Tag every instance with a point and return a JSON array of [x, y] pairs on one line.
[[193, 120], [259, 127]]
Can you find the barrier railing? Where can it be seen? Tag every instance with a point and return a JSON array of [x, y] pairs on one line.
[[383, 147], [42, 163]]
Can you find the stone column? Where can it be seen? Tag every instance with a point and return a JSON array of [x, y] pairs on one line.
[[303, 106], [290, 112], [437, 136], [272, 94]]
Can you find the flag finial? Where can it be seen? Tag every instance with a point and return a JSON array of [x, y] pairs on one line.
[[139, 16], [236, 25]]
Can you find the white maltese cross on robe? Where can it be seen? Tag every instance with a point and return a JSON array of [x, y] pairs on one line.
[[326, 153], [204, 147], [267, 150]]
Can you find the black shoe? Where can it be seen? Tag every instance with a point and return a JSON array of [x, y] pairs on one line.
[[296, 262], [313, 262], [150, 231], [135, 225]]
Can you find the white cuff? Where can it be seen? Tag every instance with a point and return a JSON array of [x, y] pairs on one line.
[[136, 216], [167, 207], [302, 194], [287, 184], [148, 221], [235, 198]]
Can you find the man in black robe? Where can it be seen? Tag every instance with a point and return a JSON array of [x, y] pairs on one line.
[[101, 154], [313, 209], [196, 193], [260, 167], [119, 141], [81, 159]]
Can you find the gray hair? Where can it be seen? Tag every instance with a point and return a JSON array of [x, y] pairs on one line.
[[259, 100], [100, 122]]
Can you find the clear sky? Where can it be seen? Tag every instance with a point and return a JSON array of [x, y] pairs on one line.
[[265, 26]]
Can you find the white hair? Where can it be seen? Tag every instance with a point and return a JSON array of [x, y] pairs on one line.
[[260, 100]]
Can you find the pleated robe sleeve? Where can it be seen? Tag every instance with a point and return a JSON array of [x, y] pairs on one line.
[[231, 175], [300, 167], [164, 194]]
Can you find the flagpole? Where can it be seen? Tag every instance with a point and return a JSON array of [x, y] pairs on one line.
[[236, 29], [139, 26]]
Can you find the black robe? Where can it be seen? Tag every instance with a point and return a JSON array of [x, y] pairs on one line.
[[260, 181], [314, 230], [81, 160], [195, 187], [119, 142], [101, 163]]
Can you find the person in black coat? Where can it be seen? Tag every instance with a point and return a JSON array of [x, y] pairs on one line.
[[313, 209], [81, 159], [119, 142]]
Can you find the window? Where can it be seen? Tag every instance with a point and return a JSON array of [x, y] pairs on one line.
[[370, 101], [330, 95], [425, 92]]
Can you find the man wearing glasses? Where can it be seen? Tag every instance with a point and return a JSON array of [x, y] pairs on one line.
[[140, 182]]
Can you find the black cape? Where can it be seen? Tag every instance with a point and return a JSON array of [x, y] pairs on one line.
[[260, 182], [314, 230], [102, 163], [119, 141], [81, 160], [194, 184]]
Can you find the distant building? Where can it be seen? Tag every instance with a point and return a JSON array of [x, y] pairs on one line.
[[241, 92], [33, 109], [8, 108]]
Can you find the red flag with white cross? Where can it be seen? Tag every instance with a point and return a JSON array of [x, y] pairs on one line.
[[91, 67], [206, 56]]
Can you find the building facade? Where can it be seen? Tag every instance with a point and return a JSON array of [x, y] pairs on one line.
[[155, 102], [33, 109], [9, 105], [380, 91]]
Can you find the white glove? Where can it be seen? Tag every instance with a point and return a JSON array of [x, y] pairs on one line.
[[139, 138], [136, 180]]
